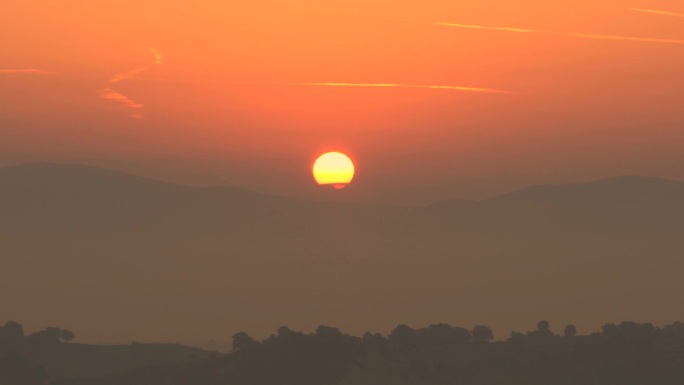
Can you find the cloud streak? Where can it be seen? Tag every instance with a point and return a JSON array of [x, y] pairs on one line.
[[126, 75], [658, 12], [108, 93], [158, 58], [396, 85], [29, 71], [567, 34]]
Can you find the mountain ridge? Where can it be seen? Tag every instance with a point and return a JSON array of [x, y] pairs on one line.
[[69, 170]]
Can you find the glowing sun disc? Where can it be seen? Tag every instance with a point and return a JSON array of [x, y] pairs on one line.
[[333, 168]]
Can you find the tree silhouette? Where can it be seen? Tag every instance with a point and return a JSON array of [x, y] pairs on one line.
[[67, 335], [50, 335], [242, 340], [13, 328], [544, 329], [482, 333], [404, 336], [329, 334], [570, 331], [11, 334]]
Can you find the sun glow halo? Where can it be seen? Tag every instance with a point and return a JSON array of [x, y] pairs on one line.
[[333, 168]]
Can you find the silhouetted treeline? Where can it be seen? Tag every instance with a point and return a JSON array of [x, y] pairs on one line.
[[624, 354]]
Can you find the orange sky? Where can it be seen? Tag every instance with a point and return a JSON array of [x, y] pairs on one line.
[[212, 92]]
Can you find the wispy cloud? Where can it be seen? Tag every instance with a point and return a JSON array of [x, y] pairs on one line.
[[126, 75], [30, 71], [158, 58], [658, 12], [108, 93], [396, 85], [568, 34]]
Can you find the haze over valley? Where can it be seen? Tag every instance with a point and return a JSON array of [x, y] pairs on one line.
[[121, 258]]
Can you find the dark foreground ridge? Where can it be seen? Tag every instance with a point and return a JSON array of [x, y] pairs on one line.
[[40, 357], [624, 354]]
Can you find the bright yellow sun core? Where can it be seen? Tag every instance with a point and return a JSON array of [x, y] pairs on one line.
[[333, 168]]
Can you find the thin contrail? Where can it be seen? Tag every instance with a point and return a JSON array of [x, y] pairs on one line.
[[357, 85], [396, 85], [32, 71], [580, 35], [658, 12]]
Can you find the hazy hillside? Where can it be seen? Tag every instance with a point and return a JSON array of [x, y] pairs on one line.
[[88, 248]]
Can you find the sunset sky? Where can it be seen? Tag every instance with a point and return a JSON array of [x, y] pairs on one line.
[[432, 100]]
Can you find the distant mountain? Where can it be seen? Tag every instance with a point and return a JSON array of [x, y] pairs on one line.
[[624, 187], [147, 258], [620, 201], [74, 198]]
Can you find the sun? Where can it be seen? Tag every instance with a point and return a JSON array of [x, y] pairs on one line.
[[333, 169]]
